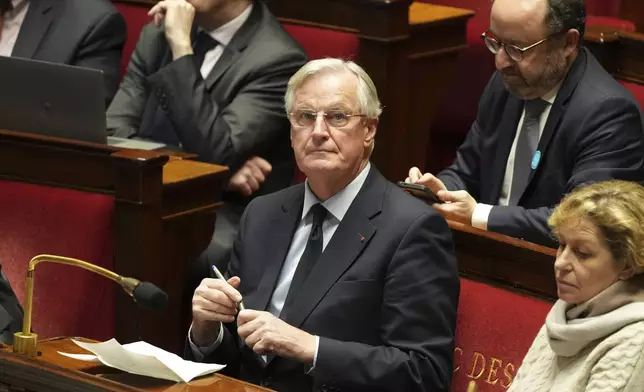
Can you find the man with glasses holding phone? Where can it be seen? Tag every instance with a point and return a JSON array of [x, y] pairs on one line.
[[550, 119]]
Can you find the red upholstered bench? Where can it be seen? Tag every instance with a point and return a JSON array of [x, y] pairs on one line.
[[38, 219], [495, 328], [136, 16], [320, 43]]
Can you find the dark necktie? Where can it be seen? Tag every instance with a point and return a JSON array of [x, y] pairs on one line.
[[203, 44], [526, 147], [311, 254]]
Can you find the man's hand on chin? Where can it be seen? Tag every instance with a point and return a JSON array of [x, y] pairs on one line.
[[179, 16], [267, 334], [458, 206]]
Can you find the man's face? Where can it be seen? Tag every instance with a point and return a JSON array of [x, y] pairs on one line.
[[323, 147], [521, 23]]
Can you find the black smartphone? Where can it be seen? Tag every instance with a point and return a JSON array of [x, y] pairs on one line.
[[420, 191]]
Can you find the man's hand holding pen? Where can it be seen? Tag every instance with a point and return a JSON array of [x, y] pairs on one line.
[[217, 301]]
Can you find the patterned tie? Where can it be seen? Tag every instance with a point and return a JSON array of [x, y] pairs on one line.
[[310, 256], [526, 147]]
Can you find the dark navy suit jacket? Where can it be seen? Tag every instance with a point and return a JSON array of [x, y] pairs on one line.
[[594, 132]]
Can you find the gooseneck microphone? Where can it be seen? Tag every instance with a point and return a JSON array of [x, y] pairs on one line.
[[145, 294]]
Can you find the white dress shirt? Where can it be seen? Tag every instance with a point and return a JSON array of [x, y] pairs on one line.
[[223, 35], [11, 26], [482, 211], [337, 207]]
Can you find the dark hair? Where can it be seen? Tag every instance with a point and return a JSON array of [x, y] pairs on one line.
[[564, 15]]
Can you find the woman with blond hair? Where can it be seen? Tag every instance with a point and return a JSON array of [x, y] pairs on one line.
[[593, 337]]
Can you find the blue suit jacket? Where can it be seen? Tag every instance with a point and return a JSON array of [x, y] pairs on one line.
[[594, 132]]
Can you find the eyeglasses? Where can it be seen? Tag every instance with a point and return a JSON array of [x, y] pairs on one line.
[[513, 51], [307, 118]]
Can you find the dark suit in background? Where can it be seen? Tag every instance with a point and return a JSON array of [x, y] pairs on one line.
[[382, 297], [10, 311], [236, 113], [593, 133], [84, 33]]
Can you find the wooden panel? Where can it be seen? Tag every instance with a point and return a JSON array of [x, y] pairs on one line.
[[620, 52], [633, 10], [505, 261], [52, 372], [164, 216]]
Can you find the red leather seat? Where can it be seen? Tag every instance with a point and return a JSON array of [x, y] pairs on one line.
[[36, 219], [495, 328], [636, 89], [136, 16]]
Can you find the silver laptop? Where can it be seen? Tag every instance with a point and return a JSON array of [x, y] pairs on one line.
[[56, 100]]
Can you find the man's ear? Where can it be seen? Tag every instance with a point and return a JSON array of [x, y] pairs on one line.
[[572, 42], [371, 125]]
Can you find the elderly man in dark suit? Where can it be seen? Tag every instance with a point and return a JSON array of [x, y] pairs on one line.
[[10, 311], [349, 283], [84, 33], [549, 120], [208, 77]]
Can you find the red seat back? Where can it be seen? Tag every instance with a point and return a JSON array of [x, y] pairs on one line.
[[636, 89], [320, 43], [603, 7], [37, 219], [136, 16], [495, 329]]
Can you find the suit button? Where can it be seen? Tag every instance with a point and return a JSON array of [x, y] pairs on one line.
[[267, 382]]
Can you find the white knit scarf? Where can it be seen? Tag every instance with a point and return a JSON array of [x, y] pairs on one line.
[[571, 328]]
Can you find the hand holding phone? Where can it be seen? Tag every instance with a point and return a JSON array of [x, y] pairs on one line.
[[420, 191]]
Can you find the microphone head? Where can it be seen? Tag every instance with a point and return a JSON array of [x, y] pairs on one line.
[[149, 296]]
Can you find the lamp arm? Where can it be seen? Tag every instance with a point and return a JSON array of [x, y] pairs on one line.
[[26, 342]]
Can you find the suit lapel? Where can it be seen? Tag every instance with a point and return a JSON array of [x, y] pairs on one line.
[[349, 240], [506, 134], [228, 57], [37, 21], [239, 42], [558, 109], [276, 243]]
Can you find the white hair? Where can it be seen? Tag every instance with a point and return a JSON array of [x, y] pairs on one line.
[[367, 94]]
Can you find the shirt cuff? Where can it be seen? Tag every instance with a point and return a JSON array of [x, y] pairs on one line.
[[315, 357], [480, 215], [201, 352]]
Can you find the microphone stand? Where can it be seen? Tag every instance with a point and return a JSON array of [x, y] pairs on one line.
[[26, 342]]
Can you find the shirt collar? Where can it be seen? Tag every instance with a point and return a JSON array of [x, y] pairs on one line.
[[338, 204], [551, 95], [225, 33]]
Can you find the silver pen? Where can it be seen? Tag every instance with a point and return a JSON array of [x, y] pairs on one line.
[[240, 305]]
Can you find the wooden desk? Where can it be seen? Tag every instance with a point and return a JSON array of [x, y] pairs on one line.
[[53, 372], [164, 216], [620, 52], [505, 261]]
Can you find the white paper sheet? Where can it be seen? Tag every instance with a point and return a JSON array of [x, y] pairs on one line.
[[144, 359]]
